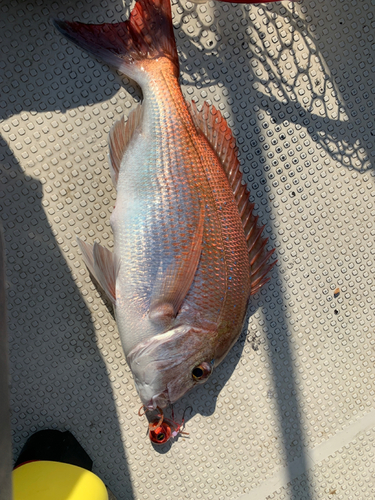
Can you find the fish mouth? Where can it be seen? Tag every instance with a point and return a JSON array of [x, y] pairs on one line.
[[159, 401]]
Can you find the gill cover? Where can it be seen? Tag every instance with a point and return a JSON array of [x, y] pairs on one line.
[[154, 361]]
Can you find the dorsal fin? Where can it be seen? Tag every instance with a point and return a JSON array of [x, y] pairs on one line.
[[219, 135], [120, 135]]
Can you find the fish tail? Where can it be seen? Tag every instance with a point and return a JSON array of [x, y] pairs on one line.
[[147, 34]]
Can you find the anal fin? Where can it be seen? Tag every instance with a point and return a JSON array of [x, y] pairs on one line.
[[119, 138], [103, 265]]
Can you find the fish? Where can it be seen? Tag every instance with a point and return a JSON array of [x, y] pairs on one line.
[[188, 250]]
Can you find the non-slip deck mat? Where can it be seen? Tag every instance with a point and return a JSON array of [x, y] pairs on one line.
[[290, 413]]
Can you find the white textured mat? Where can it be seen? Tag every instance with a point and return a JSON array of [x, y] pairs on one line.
[[290, 414]]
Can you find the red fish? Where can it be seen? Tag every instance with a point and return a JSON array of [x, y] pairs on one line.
[[188, 250]]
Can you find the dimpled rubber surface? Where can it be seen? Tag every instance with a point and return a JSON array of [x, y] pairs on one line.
[[290, 413]]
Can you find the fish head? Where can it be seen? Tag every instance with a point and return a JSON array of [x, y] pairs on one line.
[[168, 365]]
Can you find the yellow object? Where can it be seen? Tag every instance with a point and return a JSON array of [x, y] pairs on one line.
[[56, 481]]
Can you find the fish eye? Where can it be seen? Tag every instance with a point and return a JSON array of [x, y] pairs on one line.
[[197, 373], [160, 436], [202, 371]]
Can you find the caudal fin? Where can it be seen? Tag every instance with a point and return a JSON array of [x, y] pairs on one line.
[[148, 34]]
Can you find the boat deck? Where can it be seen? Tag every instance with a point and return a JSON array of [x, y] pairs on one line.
[[290, 413]]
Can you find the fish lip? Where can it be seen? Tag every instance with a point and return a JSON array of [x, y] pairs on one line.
[[159, 401]]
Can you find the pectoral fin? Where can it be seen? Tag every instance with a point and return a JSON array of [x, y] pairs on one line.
[[103, 265], [172, 286]]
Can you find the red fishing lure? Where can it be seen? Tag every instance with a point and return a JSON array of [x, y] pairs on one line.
[[162, 429]]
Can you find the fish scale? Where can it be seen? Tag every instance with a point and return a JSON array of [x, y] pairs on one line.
[[176, 177], [180, 276]]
